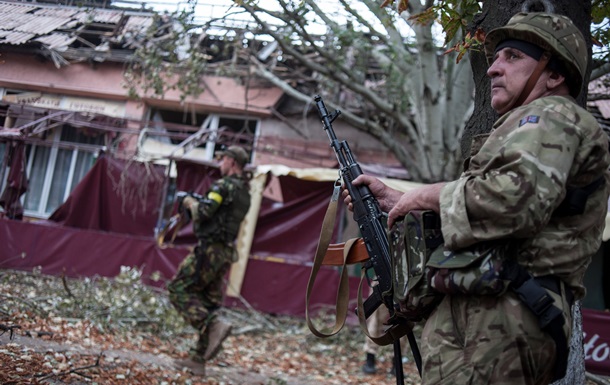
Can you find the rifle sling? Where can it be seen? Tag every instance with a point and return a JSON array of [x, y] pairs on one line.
[[343, 291], [391, 334]]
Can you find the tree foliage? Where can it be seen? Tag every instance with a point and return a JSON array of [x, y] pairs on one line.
[[600, 32], [384, 70]]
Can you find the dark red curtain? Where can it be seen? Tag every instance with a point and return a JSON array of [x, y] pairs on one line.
[[16, 181], [290, 230], [117, 196]]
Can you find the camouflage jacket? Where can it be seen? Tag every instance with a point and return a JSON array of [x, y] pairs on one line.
[[219, 214], [518, 176]]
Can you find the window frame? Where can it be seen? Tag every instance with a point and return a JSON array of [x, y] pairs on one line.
[[55, 144]]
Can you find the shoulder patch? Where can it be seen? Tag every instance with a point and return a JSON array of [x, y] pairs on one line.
[[529, 119]]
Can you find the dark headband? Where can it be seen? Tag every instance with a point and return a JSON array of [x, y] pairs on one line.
[[531, 50]]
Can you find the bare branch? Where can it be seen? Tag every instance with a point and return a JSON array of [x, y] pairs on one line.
[[73, 371]]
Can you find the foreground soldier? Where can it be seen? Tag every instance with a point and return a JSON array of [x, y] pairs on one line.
[[197, 289], [537, 182]]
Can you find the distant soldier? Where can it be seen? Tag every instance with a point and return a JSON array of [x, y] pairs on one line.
[[537, 183], [197, 289]]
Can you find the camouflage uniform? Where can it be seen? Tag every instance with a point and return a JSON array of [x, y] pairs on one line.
[[515, 180], [216, 221]]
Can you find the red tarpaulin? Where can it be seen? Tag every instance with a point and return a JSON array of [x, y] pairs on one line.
[[81, 253], [596, 327], [108, 221], [271, 287]]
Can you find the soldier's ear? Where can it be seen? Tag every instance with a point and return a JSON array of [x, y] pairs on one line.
[[556, 80]]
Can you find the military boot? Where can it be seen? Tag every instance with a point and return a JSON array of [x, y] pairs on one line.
[[217, 332], [194, 365], [369, 365]]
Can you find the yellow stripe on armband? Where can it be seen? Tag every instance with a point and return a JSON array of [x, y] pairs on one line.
[[216, 197]]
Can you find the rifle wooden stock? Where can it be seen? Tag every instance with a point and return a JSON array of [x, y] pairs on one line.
[[334, 254], [173, 226]]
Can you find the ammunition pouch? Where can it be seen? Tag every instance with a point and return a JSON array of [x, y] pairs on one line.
[[412, 241], [476, 270]]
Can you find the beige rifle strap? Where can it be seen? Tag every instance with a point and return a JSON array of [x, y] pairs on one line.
[[343, 291]]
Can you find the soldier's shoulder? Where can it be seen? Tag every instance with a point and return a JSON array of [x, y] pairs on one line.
[[229, 182], [565, 106], [557, 110]]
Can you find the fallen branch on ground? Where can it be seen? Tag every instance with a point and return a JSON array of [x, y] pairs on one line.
[[74, 371]]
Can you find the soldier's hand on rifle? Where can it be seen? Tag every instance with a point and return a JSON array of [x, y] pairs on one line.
[[420, 198], [385, 195], [185, 202], [188, 202]]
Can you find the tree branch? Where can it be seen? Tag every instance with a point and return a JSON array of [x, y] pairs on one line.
[[600, 71], [368, 126]]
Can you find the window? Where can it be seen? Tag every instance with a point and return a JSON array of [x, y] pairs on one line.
[[61, 145], [175, 127], [54, 171]]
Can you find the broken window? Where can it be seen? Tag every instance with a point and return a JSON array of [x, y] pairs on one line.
[[196, 134]]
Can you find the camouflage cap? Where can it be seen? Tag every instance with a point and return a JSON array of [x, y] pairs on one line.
[[554, 33], [237, 153]]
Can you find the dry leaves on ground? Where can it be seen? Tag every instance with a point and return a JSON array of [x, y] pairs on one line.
[[101, 331]]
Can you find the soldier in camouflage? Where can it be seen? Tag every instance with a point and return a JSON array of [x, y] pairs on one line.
[[197, 289], [514, 190]]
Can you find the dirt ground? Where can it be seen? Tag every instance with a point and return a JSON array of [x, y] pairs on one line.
[[109, 332], [248, 358], [98, 331]]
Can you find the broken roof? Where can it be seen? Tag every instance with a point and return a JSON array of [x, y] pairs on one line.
[[599, 101], [57, 28]]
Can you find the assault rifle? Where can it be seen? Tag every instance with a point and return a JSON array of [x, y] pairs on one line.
[[368, 215]]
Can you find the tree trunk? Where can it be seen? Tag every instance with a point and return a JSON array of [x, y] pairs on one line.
[[575, 375], [495, 14]]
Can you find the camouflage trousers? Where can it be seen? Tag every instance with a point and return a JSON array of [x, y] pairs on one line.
[[487, 340], [196, 297]]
